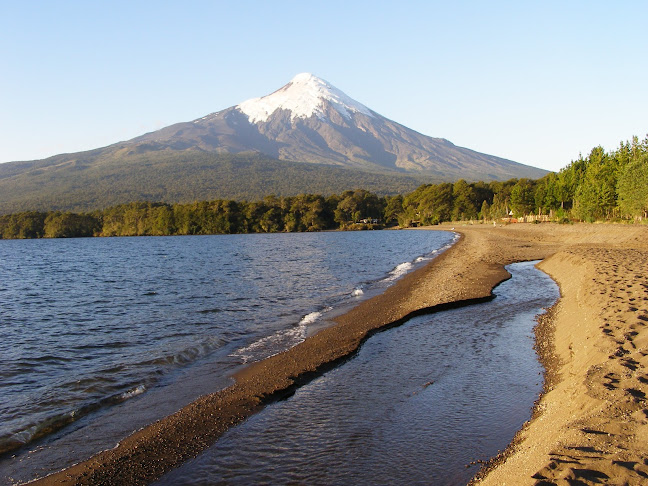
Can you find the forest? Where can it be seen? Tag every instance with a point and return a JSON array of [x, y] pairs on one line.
[[86, 182], [603, 186]]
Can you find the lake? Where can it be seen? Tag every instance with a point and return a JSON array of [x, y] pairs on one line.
[[422, 403], [101, 336]]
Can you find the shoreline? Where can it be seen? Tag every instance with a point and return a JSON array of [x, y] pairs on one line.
[[464, 274], [590, 425]]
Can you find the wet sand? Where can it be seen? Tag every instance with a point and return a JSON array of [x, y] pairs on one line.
[[582, 259]]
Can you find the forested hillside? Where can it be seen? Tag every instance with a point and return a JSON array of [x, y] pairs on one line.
[[93, 180], [607, 186]]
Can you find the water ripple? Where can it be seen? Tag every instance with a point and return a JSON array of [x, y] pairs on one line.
[[90, 324]]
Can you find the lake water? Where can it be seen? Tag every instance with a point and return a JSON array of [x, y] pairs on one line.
[[102, 336], [417, 405]]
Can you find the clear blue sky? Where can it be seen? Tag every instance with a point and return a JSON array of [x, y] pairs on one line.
[[536, 82]]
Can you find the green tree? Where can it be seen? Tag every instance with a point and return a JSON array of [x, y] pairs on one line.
[[485, 211], [358, 204], [29, 224], [596, 195], [70, 225], [633, 187], [522, 198], [546, 194], [272, 220], [393, 208], [436, 203], [315, 217], [464, 206], [162, 222]]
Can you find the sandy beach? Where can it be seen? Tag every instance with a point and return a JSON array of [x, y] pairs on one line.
[[591, 425]]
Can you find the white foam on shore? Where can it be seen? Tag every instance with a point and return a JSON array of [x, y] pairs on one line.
[[310, 318], [287, 338], [133, 393], [279, 341], [400, 270]]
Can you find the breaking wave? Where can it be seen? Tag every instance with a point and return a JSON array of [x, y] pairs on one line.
[[399, 271], [56, 422], [279, 341]]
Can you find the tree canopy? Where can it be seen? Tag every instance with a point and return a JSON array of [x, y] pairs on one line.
[[602, 186]]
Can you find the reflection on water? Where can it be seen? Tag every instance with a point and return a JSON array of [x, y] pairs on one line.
[[416, 405]]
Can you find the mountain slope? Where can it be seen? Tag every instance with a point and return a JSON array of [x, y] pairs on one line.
[[307, 136], [89, 183], [309, 120]]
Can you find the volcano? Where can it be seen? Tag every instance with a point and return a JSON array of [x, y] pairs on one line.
[[309, 120], [306, 137]]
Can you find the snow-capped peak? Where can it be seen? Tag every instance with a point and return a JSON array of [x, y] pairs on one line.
[[303, 96]]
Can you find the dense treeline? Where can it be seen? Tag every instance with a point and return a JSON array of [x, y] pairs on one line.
[[611, 185], [306, 212], [601, 186]]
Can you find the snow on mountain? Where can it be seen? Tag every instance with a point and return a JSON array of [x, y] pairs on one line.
[[304, 96], [309, 120]]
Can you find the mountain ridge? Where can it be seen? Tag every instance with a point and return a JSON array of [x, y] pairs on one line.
[[309, 120], [306, 123]]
